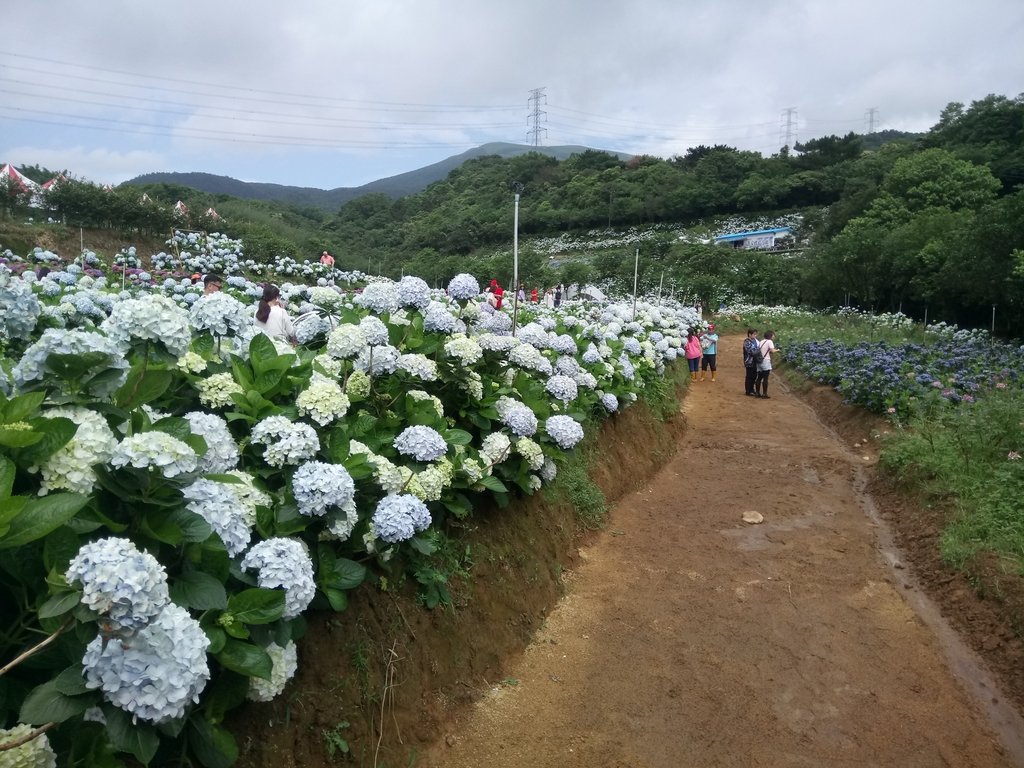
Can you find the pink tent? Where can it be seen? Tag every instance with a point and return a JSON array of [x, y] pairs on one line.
[[180, 209], [55, 180], [212, 214], [24, 184]]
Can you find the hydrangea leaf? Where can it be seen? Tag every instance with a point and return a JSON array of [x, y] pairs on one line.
[[213, 746], [144, 385], [41, 516], [60, 604], [200, 591], [246, 659], [46, 704], [17, 437], [7, 473], [138, 739], [21, 407], [257, 606]]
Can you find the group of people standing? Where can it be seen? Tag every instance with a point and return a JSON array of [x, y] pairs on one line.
[[495, 295], [701, 352]]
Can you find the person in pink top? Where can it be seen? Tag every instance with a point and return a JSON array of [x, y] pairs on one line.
[[693, 351]]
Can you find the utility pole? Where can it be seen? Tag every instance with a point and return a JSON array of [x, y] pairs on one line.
[[871, 116], [536, 113], [787, 131]]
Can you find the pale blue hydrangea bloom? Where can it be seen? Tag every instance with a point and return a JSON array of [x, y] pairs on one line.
[[318, 486], [564, 344], [547, 323], [5, 383], [327, 298], [591, 356], [374, 330], [284, 563], [284, 663], [561, 388], [490, 342], [346, 341], [32, 366], [153, 318], [564, 430], [463, 286], [156, 673], [671, 354], [220, 506], [400, 517], [34, 753], [628, 373], [517, 416], [285, 441], [610, 402], [421, 442], [379, 297], [437, 319], [549, 471], [120, 582], [534, 335], [220, 314], [632, 346], [418, 366], [221, 450], [19, 307], [498, 323], [413, 292], [312, 327], [155, 450], [378, 361]]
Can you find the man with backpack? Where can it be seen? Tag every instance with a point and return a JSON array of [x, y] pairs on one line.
[[751, 359]]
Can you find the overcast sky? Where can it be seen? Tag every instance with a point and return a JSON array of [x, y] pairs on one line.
[[332, 93]]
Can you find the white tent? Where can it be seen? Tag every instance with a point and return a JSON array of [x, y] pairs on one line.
[[593, 293], [23, 183]]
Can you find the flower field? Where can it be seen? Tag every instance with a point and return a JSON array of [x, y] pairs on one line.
[[178, 489]]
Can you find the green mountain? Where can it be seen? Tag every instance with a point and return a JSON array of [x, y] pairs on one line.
[[403, 184]]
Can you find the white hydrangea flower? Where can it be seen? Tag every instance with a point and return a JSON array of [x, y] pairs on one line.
[[330, 366], [491, 342], [530, 451], [564, 430], [420, 396], [530, 358], [156, 673], [400, 517], [71, 467], [549, 471], [157, 450], [284, 563], [374, 329], [192, 362], [318, 486], [385, 473], [36, 753], [610, 402], [323, 401], [463, 349], [221, 450], [473, 385], [421, 442], [419, 366], [120, 582], [215, 391], [346, 341], [533, 483], [153, 318], [325, 298], [379, 298], [285, 441], [358, 385], [495, 448], [32, 366], [284, 663], [221, 314]]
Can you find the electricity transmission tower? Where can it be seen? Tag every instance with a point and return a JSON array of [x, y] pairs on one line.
[[787, 131], [536, 113], [871, 116]]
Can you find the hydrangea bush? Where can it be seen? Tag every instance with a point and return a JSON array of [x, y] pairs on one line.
[[179, 489]]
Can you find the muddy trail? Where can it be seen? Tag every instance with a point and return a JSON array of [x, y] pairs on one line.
[[688, 637]]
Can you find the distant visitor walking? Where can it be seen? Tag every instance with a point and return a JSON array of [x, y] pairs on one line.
[[709, 346]]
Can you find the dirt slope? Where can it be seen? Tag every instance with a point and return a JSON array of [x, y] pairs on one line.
[[691, 638]]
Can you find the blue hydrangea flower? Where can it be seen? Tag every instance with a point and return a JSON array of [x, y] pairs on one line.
[[517, 416], [379, 297], [561, 388], [564, 430], [220, 506], [413, 292], [120, 582], [32, 366], [221, 450], [400, 517], [318, 486], [284, 563], [421, 442], [463, 286]]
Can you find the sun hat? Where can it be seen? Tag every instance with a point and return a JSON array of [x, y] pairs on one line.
[[711, 326]]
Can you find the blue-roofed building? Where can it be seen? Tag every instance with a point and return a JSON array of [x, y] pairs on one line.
[[760, 239]]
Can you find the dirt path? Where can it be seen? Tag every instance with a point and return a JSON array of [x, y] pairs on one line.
[[689, 638]]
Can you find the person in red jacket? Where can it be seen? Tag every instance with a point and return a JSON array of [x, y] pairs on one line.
[[498, 292], [693, 352], [533, 296]]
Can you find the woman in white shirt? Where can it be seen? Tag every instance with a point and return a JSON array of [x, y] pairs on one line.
[[764, 368], [271, 317]]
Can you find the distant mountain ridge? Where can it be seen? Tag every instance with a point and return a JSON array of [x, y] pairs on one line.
[[394, 187]]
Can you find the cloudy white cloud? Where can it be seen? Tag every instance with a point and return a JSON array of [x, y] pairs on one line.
[[327, 94]]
